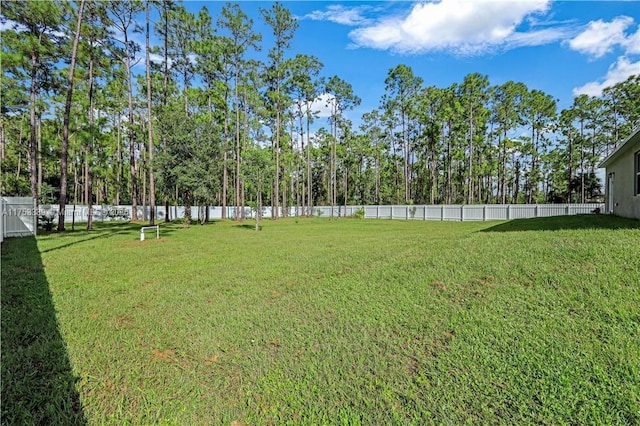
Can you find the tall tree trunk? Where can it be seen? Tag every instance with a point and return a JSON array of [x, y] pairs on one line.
[[570, 174], [238, 201], [165, 85], [85, 175], [432, 173], [504, 168], [31, 151], [3, 190], [449, 164], [142, 173], [334, 165], [119, 160], [277, 168], [20, 136], [582, 161], [76, 185], [407, 148], [65, 127], [131, 134], [533, 180], [187, 207], [516, 184], [152, 185], [39, 138], [309, 177], [90, 148], [225, 172], [470, 182], [377, 173], [346, 188], [301, 191]]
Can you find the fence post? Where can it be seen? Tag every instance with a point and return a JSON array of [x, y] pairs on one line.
[[508, 211], [536, 211], [567, 213], [424, 213], [484, 213], [462, 213], [442, 213]]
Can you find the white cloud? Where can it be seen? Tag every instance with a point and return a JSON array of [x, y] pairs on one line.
[[599, 38], [538, 37], [622, 69], [159, 59], [460, 26], [8, 24], [340, 15], [319, 107], [632, 43]]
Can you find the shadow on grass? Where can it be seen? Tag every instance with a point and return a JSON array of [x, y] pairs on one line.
[[38, 385], [108, 230], [248, 226], [557, 223]]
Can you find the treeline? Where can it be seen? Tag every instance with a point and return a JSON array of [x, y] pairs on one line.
[[90, 115]]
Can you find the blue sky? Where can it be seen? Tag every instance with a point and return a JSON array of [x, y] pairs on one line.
[[563, 48]]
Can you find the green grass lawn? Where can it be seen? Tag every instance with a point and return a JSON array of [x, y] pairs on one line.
[[313, 321]]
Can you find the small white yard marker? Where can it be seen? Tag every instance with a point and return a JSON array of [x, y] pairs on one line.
[[146, 228]]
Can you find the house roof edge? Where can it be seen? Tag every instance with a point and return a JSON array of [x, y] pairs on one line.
[[635, 135]]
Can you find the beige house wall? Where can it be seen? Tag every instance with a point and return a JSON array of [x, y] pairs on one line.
[[623, 202]]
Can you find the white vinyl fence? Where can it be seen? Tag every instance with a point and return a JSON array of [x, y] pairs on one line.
[[477, 212], [19, 217], [418, 212]]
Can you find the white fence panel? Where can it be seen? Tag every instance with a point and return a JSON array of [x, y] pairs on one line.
[[19, 217], [473, 212], [451, 212], [385, 212], [552, 210], [518, 211], [398, 212], [496, 212], [371, 212], [433, 212], [417, 212]]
